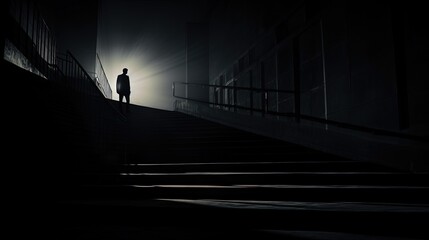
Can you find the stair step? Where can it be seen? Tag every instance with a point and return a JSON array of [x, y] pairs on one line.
[[264, 218], [299, 166], [231, 178], [322, 193]]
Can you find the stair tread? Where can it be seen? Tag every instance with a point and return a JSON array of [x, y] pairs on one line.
[[258, 204]]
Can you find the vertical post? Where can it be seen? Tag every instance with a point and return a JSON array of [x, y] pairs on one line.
[[27, 35], [296, 78], [46, 45], [50, 49], [54, 57], [19, 24], [42, 46], [5, 24], [73, 74], [234, 92], [49, 56], [251, 91], [45, 34], [33, 55], [36, 50], [399, 33], [324, 73], [48, 53], [66, 69], [76, 74], [213, 100], [70, 75], [263, 106], [53, 50], [69, 72], [186, 63], [276, 57], [266, 101]]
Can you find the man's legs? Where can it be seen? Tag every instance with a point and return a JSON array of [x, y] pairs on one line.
[[121, 97], [127, 98]]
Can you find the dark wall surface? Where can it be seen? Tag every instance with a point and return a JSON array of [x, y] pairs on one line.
[[75, 27], [360, 62]]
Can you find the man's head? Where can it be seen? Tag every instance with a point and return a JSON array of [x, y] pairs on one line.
[[125, 70]]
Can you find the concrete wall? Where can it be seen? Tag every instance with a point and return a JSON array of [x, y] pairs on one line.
[[416, 53], [75, 26], [235, 26], [360, 62], [400, 153], [197, 60], [360, 65]]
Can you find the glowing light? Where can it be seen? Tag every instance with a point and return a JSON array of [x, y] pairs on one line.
[[152, 48]]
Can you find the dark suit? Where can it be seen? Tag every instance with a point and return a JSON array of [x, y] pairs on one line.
[[123, 89]]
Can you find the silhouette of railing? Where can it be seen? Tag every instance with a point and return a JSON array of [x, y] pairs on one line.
[[29, 42], [264, 109], [101, 79], [76, 76], [238, 98]]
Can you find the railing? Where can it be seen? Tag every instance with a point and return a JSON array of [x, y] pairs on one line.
[[243, 98], [79, 79], [264, 95], [76, 76], [30, 43], [101, 79]]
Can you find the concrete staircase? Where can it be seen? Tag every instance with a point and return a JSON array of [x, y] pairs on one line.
[[187, 178], [84, 171]]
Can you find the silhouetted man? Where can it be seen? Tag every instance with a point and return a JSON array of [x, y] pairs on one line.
[[123, 88]]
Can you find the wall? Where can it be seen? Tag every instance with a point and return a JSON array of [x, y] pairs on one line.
[[415, 45], [235, 26], [400, 153], [362, 63], [75, 26], [197, 60]]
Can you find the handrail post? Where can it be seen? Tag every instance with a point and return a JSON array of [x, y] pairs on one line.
[[262, 77], [296, 78], [173, 89], [251, 91], [234, 92], [265, 101], [5, 12]]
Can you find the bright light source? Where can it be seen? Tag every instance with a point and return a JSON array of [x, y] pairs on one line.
[[150, 42]]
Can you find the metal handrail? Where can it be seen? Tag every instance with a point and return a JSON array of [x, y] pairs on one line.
[[291, 114], [80, 66], [235, 87], [28, 32], [105, 86], [297, 115]]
